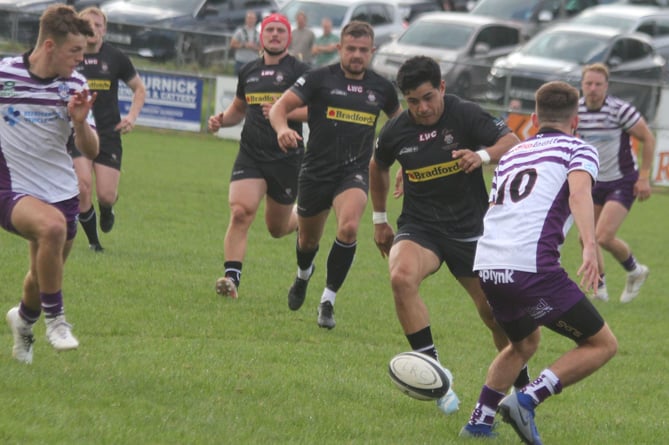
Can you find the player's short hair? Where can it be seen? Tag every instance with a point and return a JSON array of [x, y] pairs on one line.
[[598, 68], [357, 29], [556, 101], [93, 10], [416, 71], [59, 20]]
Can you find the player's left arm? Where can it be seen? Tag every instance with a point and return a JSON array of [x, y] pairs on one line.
[[645, 136], [136, 84], [471, 160], [582, 209], [278, 118]]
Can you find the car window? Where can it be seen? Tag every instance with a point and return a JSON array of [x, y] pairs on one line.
[[522, 10], [571, 47], [185, 6], [662, 27], [381, 14], [360, 13], [626, 50], [499, 36], [316, 12], [437, 35], [655, 27], [614, 21]]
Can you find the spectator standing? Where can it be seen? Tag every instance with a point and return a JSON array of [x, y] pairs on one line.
[[103, 67], [538, 188], [344, 102], [43, 100], [608, 123], [303, 39], [325, 46], [246, 41], [262, 169]]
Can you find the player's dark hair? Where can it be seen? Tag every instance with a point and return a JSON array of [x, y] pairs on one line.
[[59, 20], [556, 101], [357, 29], [416, 71]]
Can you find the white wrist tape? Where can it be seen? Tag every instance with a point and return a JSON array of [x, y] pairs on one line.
[[379, 217], [485, 157]]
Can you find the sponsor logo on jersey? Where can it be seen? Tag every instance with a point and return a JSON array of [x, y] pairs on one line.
[[433, 171], [424, 137], [99, 84], [352, 116], [7, 89], [63, 91], [12, 116], [262, 98], [407, 150]]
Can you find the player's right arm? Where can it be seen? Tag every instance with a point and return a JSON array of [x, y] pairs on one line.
[[233, 115], [379, 184]]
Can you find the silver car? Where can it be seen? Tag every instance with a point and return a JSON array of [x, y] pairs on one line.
[[560, 52], [464, 45]]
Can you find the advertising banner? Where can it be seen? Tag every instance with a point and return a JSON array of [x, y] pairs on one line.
[[172, 101]]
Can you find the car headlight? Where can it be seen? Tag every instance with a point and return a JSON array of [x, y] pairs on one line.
[[499, 71]]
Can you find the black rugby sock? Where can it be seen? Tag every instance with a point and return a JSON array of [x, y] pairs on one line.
[[88, 220], [339, 263]]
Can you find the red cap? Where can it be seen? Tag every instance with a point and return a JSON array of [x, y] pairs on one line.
[[276, 17]]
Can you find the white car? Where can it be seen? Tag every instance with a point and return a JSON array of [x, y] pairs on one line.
[[465, 46], [385, 16]]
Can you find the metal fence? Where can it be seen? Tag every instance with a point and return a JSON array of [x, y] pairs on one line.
[[180, 46]]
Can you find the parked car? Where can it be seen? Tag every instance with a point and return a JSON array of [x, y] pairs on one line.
[[463, 44], [650, 20], [165, 29], [411, 9], [384, 15], [560, 52], [534, 15], [19, 19]]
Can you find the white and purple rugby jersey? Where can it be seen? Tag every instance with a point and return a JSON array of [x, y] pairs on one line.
[[606, 129], [34, 129], [527, 224]]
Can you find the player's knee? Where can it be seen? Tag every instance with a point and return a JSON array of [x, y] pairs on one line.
[[241, 216]]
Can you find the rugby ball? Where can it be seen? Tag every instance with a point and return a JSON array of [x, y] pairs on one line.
[[419, 375]]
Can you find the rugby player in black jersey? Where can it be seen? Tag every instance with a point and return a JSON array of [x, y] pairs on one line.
[[441, 143], [103, 67], [262, 169], [344, 100]]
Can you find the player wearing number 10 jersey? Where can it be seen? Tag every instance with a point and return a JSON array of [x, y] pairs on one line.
[[539, 186]]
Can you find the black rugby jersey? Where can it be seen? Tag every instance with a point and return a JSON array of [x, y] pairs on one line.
[[259, 83], [342, 118], [437, 194], [103, 71]]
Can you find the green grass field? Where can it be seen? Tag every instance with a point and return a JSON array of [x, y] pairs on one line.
[[164, 360]]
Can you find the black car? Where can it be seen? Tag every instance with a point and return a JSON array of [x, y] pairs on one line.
[[188, 29], [560, 52]]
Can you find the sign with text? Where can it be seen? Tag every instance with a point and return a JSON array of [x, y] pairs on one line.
[[172, 101]]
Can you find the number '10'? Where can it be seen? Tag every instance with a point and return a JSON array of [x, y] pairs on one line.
[[521, 186]]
